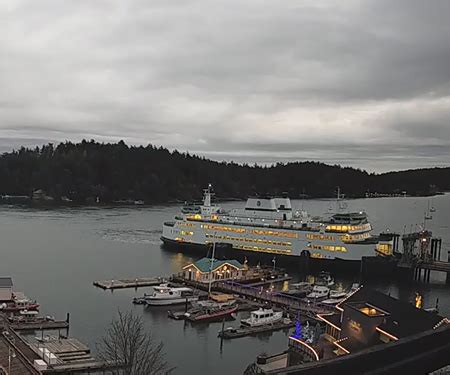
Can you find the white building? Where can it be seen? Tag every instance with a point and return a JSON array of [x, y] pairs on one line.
[[6, 286]]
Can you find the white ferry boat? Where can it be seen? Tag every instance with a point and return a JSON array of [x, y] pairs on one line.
[[268, 225]]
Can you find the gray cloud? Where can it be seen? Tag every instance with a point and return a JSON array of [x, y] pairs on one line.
[[363, 83]]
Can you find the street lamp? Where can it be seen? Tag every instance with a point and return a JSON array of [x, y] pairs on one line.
[[11, 354]]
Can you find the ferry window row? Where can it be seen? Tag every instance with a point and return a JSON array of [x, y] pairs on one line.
[[194, 217], [346, 228], [275, 233], [328, 248], [355, 237], [184, 224], [265, 249], [319, 237], [245, 239], [223, 229], [186, 233]]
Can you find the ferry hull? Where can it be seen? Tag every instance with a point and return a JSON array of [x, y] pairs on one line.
[[293, 262]]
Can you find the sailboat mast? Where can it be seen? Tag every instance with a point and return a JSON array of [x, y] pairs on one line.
[[212, 265]]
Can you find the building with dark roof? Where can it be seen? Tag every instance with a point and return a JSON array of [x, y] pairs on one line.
[[6, 286], [206, 270], [368, 318]]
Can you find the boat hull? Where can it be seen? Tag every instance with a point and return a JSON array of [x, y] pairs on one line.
[[214, 316], [246, 323], [168, 302], [297, 262]]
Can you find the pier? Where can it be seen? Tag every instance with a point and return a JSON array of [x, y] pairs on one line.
[[137, 282], [40, 325], [274, 298], [422, 255], [257, 296]]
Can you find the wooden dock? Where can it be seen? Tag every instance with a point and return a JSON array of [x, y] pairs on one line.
[[275, 298], [70, 355], [39, 325], [248, 331], [137, 282], [270, 281]]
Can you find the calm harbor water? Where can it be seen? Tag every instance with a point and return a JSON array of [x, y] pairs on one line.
[[54, 255]]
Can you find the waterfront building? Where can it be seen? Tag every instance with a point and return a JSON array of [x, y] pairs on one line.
[[6, 287], [368, 318], [208, 270]]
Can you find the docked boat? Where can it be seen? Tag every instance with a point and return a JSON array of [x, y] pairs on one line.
[[211, 314], [324, 279], [262, 317], [270, 226], [210, 304], [319, 292], [337, 296], [300, 289], [19, 303], [164, 295]]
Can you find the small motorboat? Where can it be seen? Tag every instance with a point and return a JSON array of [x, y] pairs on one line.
[[19, 304], [319, 292], [165, 295], [324, 279], [177, 315], [300, 289], [332, 301], [211, 314], [338, 294]]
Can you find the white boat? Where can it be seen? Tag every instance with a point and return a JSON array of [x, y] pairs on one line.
[[301, 288], [270, 225], [336, 294], [332, 301], [164, 295], [324, 279], [213, 304], [319, 292], [262, 317]]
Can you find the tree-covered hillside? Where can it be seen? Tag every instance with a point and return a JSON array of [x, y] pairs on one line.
[[87, 170]]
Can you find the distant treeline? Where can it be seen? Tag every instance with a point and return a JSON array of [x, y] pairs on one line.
[[84, 171]]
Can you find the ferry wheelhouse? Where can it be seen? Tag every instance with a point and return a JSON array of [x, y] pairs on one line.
[[268, 225]]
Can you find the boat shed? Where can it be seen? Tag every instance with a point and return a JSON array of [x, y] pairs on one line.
[[206, 270], [6, 286]]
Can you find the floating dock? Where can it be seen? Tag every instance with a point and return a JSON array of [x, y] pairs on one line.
[[66, 355], [248, 331], [137, 282], [39, 325]]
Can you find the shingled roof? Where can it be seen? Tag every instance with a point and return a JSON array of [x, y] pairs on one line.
[[204, 264], [6, 282]]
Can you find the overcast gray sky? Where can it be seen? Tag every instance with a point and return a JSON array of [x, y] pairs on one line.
[[360, 83]]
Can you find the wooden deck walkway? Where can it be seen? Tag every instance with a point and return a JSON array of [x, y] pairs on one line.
[[39, 325], [434, 266], [274, 298], [137, 282]]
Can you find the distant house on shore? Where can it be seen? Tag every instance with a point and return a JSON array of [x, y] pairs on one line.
[[206, 270], [40, 195], [6, 286]]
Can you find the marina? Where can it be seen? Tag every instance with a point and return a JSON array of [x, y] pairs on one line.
[[131, 256]]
